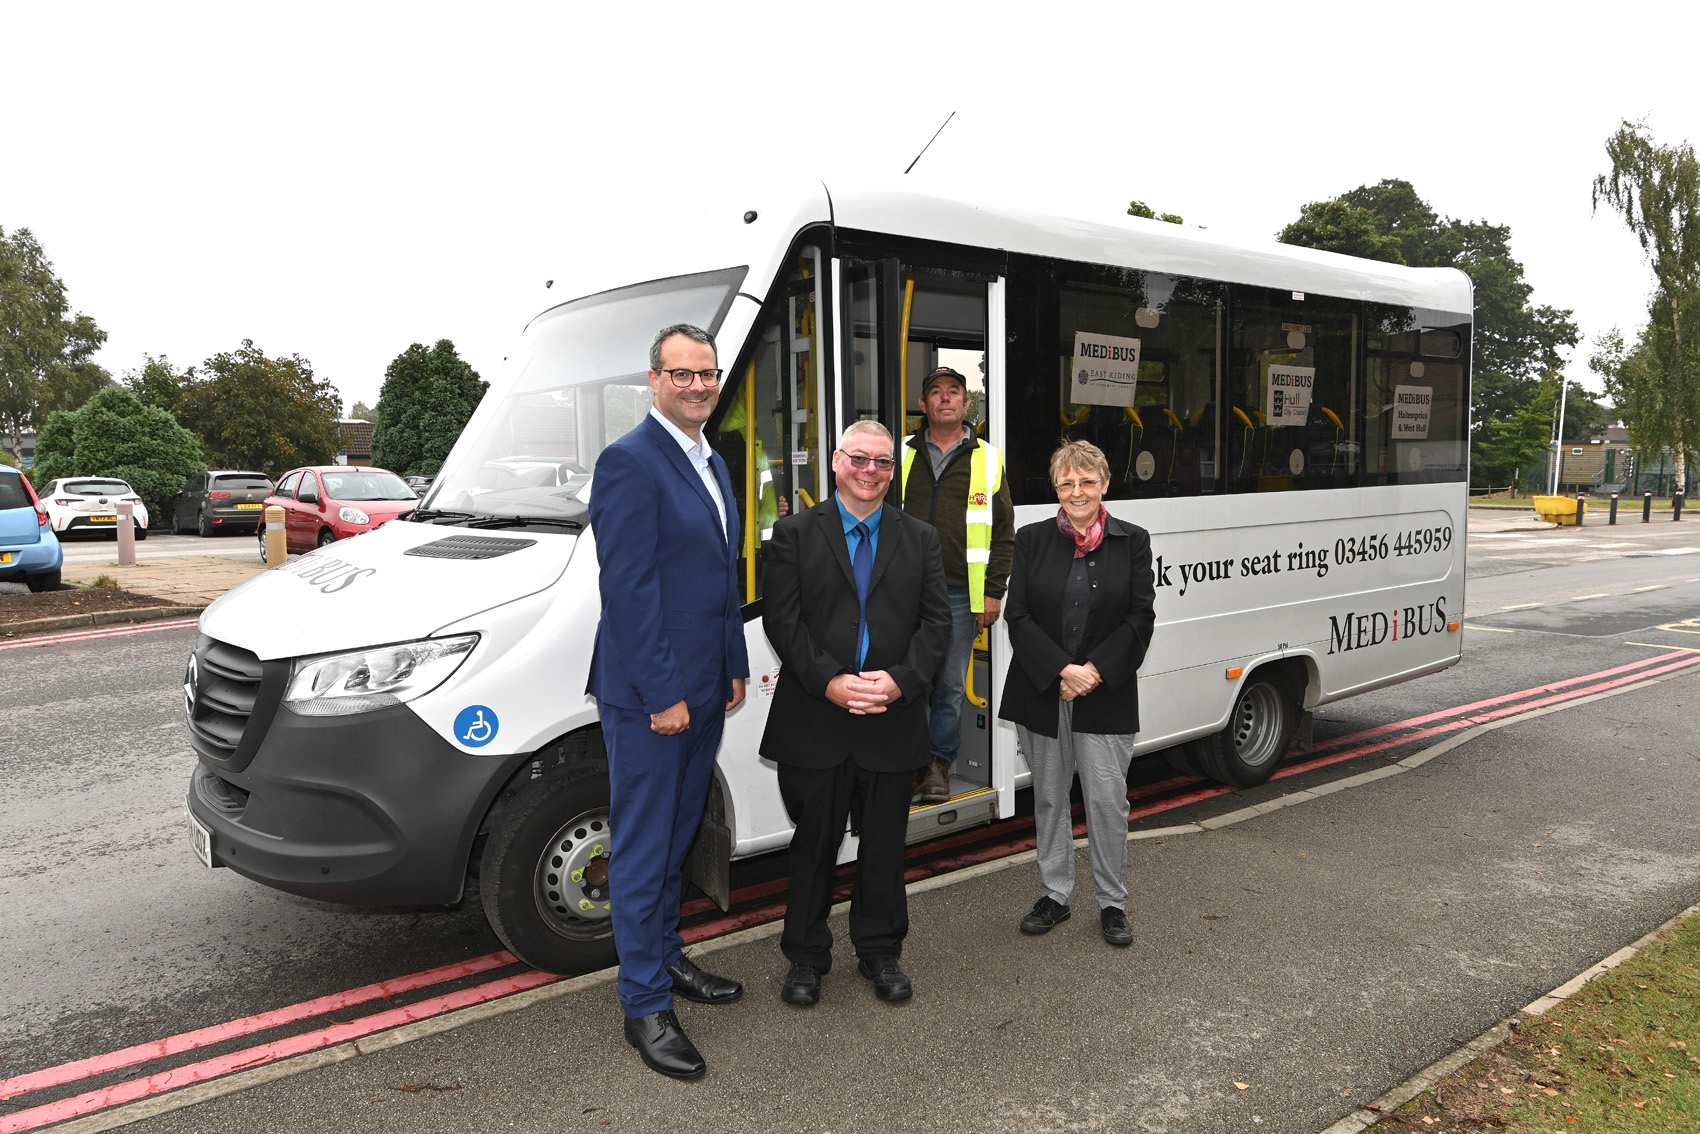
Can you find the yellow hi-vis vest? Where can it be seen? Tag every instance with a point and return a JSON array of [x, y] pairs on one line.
[[985, 475]]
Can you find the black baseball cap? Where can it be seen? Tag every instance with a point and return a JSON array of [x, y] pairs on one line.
[[938, 374]]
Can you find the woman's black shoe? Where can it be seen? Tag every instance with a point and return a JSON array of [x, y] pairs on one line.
[[1047, 914], [1116, 929]]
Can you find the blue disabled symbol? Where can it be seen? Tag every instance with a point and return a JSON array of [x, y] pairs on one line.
[[476, 726]]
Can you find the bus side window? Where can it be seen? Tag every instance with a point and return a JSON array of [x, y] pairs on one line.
[[1417, 396]]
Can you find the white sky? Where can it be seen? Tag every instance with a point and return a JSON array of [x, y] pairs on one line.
[[340, 180]]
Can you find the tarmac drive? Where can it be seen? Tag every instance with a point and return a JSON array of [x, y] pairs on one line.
[[1318, 955]]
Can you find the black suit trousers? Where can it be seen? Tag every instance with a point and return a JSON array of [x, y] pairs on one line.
[[818, 801]]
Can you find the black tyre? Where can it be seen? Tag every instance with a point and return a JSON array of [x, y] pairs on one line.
[[263, 547], [326, 538], [1260, 727], [141, 531], [543, 876], [202, 526], [45, 581]]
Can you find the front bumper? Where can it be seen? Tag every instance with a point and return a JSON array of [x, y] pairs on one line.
[[372, 809]]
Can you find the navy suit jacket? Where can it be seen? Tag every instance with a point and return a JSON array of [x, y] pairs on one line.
[[672, 625]]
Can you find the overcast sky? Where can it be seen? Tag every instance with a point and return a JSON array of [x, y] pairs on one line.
[[341, 180]]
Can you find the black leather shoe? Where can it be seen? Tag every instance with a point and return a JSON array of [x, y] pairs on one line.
[[890, 982], [664, 1045], [802, 986], [1048, 913], [1116, 929], [705, 988]]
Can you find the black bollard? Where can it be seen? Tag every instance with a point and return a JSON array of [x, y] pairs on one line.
[[1676, 506], [1613, 519], [1647, 508], [1581, 508]]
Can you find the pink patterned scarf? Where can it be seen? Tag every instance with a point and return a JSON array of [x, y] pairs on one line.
[[1087, 540]]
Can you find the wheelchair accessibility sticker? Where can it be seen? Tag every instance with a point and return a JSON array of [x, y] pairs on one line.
[[476, 726]]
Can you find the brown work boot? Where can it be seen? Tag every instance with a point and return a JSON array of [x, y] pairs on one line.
[[934, 785]]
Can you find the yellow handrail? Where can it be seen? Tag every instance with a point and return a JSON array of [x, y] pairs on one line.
[[751, 500], [808, 502], [903, 361], [983, 642]]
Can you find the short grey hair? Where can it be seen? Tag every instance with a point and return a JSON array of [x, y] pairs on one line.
[[865, 426], [689, 330]]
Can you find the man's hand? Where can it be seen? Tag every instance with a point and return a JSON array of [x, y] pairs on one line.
[[855, 692], [737, 694], [784, 505], [990, 615], [671, 722]]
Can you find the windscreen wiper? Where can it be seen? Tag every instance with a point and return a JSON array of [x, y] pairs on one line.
[[433, 515], [525, 522]]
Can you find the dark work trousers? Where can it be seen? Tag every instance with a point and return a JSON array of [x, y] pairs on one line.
[[659, 785], [818, 801]]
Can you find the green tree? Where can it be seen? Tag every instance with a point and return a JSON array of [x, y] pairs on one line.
[[260, 413], [1516, 343], [364, 412], [115, 434], [1657, 190], [1649, 384], [45, 350], [1141, 209], [158, 383], [427, 397], [1517, 446]]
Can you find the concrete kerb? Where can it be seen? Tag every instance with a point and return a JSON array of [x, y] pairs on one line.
[[97, 618], [1360, 1119]]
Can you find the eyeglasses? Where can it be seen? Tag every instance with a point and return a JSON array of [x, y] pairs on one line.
[[858, 461], [683, 378], [1086, 482]]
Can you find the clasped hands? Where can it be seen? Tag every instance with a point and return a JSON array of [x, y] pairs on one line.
[[863, 693], [1079, 680]]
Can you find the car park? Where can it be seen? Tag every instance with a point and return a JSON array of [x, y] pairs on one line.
[[325, 503], [29, 551], [90, 504], [221, 500]]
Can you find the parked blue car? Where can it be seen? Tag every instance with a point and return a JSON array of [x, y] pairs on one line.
[[29, 551]]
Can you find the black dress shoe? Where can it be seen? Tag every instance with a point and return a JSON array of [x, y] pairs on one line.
[[664, 1045], [1116, 929], [705, 988], [802, 986], [1047, 914], [890, 982]]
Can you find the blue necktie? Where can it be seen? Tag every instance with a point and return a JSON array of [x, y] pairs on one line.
[[863, 568]]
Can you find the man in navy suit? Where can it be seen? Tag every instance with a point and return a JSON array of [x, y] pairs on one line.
[[669, 664]]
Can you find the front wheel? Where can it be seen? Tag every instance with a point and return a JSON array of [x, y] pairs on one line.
[[326, 538], [543, 876], [1249, 749]]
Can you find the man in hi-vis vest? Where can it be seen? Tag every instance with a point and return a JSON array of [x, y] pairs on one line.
[[955, 482]]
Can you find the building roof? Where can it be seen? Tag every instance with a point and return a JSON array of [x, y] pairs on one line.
[[355, 438]]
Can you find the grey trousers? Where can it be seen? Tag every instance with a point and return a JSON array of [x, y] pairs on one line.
[[1101, 761]]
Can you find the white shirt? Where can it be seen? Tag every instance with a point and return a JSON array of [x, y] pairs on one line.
[[698, 452]]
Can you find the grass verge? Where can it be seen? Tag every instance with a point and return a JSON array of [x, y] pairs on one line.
[[1622, 1056]]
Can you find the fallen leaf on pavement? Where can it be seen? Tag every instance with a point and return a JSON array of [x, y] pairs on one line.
[[1240, 1085]]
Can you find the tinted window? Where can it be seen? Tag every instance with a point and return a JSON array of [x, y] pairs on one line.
[[96, 487], [13, 494], [367, 486], [237, 481], [1417, 396]]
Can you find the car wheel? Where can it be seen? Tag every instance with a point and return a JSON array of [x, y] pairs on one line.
[[45, 581], [543, 875], [141, 531], [1249, 749], [326, 538], [203, 527]]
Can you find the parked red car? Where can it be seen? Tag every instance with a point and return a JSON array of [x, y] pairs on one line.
[[326, 503]]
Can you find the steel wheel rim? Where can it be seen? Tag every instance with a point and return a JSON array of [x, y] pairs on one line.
[[1257, 725], [570, 882]]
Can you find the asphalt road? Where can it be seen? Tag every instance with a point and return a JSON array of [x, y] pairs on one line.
[[113, 935]]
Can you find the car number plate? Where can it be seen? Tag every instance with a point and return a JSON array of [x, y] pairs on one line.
[[103, 519], [250, 505], [200, 841], [5, 556]]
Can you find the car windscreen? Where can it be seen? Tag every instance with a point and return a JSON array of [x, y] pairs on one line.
[[13, 494], [240, 481], [366, 486], [96, 487]]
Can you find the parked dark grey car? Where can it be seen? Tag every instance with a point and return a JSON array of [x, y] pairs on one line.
[[221, 500]]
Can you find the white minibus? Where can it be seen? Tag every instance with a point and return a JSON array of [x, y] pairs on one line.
[[384, 718]]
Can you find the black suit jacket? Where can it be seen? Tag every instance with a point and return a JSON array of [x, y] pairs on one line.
[[1118, 627], [811, 615]]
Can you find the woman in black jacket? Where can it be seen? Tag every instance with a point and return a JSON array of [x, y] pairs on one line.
[[1079, 610]]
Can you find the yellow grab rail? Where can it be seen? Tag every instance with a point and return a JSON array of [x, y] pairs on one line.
[[983, 642], [752, 501], [903, 363]]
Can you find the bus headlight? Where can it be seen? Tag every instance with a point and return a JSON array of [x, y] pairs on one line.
[[362, 680]]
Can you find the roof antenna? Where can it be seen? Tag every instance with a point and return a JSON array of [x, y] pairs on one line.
[[931, 140]]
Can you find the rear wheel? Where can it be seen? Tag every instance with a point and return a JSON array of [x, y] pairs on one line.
[[141, 531], [1260, 727], [45, 581], [203, 527], [543, 875]]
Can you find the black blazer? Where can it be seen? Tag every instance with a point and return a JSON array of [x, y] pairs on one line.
[[812, 618], [1118, 627]]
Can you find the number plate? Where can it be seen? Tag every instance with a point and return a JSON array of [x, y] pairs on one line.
[[103, 519], [250, 505], [200, 841], [5, 556]]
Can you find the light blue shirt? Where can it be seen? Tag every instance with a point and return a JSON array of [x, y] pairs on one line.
[[851, 541], [697, 452]]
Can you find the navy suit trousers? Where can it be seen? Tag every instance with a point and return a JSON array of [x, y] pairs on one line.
[[660, 784]]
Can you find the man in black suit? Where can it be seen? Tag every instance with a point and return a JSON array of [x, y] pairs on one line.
[[856, 608]]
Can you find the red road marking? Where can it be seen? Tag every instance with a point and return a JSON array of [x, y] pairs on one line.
[[200, 1037], [266, 1053], [89, 635]]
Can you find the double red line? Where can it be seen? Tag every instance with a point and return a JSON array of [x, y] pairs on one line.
[[1147, 800], [89, 635]]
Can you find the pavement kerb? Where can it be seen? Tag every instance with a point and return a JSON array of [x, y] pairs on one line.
[[97, 618], [1360, 1119]]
